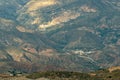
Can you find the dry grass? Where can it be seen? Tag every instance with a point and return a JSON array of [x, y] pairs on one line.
[[34, 5]]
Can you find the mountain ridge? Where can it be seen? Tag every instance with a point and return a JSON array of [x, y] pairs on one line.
[[57, 33]]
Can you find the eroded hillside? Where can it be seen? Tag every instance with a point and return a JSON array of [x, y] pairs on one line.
[[74, 35]]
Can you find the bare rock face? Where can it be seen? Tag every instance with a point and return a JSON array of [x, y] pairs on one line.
[[51, 13], [76, 35]]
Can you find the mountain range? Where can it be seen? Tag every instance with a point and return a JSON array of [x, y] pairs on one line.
[[65, 35]]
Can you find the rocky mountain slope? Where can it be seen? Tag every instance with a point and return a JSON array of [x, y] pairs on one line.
[[75, 35]]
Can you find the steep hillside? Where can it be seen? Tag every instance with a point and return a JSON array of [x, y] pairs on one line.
[[72, 35]]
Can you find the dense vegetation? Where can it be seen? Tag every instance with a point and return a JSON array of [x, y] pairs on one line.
[[64, 75]]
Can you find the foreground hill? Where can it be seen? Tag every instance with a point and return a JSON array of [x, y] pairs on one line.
[[98, 75], [103, 74]]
